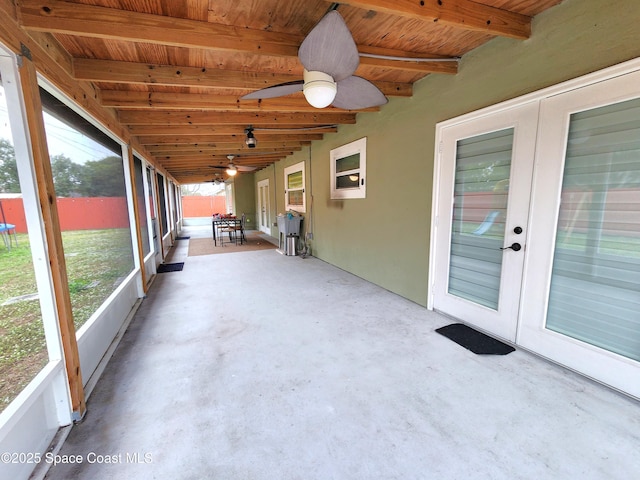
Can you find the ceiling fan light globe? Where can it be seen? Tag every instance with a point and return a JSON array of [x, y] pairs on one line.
[[319, 89], [231, 170]]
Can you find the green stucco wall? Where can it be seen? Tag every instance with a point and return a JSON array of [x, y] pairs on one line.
[[243, 198], [384, 238]]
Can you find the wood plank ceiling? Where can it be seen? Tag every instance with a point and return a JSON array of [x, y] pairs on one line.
[[174, 70]]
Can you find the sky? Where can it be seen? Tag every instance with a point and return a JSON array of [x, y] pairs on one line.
[[61, 139]]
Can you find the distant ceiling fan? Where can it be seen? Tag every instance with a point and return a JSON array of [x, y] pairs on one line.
[[329, 56]]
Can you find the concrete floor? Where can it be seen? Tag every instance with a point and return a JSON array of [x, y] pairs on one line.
[[258, 366]]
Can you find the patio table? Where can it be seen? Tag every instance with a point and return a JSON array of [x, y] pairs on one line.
[[227, 222]]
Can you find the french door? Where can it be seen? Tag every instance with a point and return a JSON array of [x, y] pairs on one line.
[[581, 305], [538, 227], [264, 217], [482, 216]]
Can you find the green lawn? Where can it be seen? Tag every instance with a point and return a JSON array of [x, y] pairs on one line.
[[97, 262]]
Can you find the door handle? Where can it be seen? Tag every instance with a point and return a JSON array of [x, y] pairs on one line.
[[515, 247]]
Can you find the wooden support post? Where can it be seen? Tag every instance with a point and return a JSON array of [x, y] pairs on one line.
[[156, 187], [136, 215], [49, 207]]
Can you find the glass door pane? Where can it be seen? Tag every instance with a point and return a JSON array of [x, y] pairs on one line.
[[483, 167], [595, 286]]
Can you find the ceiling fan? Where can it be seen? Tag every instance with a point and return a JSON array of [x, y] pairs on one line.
[[231, 167], [329, 56]]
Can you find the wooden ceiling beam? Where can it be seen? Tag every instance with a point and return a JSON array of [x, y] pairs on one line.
[[264, 146], [412, 62], [149, 140], [222, 157], [167, 154], [115, 24], [193, 165], [223, 150], [213, 169], [188, 117], [449, 67], [179, 101], [112, 71], [226, 130], [465, 14], [174, 162], [186, 162]]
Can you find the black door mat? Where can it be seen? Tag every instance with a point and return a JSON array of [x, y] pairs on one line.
[[183, 238], [170, 267], [474, 340]]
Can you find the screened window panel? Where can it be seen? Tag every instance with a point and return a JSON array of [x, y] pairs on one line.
[[163, 205], [483, 166], [140, 200], [89, 180], [595, 285]]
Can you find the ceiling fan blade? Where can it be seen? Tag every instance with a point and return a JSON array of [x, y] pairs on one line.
[[330, 48], [355, 93], [275, 91], [244, 168]]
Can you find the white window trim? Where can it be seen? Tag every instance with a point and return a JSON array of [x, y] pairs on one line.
[[355, 147], [298, 167]]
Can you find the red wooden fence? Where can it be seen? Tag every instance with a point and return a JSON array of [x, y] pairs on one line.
[[90, 213], [201, 206], [82, 213]]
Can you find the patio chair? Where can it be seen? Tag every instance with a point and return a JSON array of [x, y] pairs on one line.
[[239, 229]]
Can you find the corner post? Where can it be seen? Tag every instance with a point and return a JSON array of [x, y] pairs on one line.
[[49, 208]]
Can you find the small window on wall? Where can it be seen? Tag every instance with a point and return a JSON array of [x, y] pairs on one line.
[[348, 170], [294, 188]]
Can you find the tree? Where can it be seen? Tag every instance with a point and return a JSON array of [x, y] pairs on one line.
[[67, 176], [9, 181], [103, 178]]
